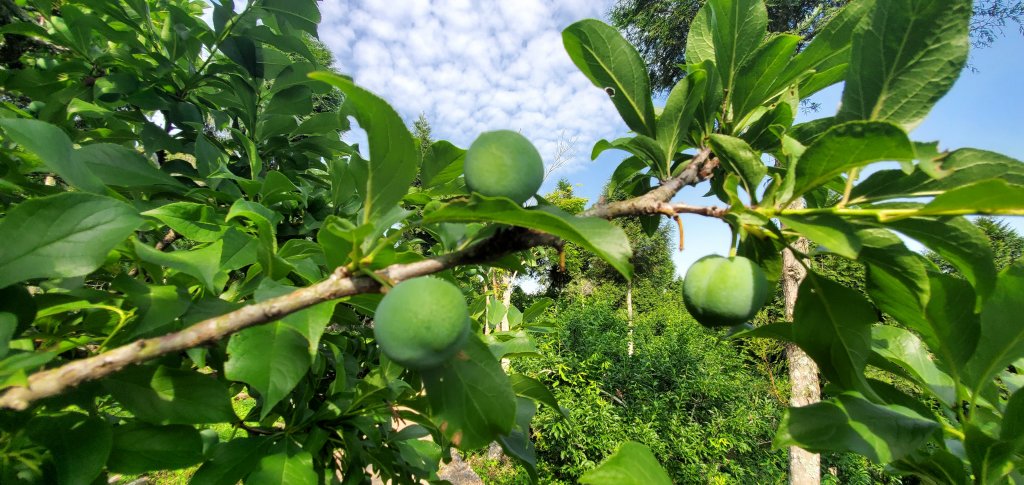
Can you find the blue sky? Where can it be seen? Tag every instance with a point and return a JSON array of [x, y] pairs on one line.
[[473, 66]]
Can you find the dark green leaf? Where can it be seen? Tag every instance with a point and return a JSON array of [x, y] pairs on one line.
[[737, 156], [847, 146], [140, 448], [470, 397], [518, 443], [300, 14], [309, 322], [63, 235], [832, 324], [764, 76], [897, 278], [849, 422], [245, 52], [53, 147], [732, 30], [632, 464], [79, 445], [597, 235], [904, 58], [960, 167], [991, 459], [612, 64], [532, 388], [119, 166], [164, 395], [394, 156], [987, 197], [232, 461]]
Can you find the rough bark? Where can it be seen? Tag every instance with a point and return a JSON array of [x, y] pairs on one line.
[[804, 466], [629, 317]]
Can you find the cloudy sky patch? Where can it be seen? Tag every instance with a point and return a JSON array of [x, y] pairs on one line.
[[474, 66]]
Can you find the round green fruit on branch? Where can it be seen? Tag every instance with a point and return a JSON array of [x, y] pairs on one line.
[[422, 322], [722, 292], [503, 164]]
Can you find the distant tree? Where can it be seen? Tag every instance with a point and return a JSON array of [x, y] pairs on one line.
[[421, 133], [658, 28]]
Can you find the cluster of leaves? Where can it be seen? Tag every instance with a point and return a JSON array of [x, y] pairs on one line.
[[953, 338]]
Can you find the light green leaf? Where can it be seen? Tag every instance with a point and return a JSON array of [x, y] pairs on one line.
[[849, 422], [470, 397], [905, 57], [394, 156], [310, 322], [597, 235], [139, 448], [737, 156], [631, 464], [761, 79], [203, 264], [441, 164], [832, 232], [828, 54], [674, 122], [906, 350], [991, 459], [165, 395], [78, 443], [959, 168], [61, 236], [53, 147], [120, 166], [612, 64], [994, 196], [284, 469], [847, 146], [832, 324], [271, 358], [1002, 336], [897, 278], [737, 28]]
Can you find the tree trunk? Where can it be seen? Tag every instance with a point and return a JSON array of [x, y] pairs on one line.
[[629, 317], [506, 299], [804, 466]]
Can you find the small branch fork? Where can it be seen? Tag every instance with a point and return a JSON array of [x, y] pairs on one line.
[[340, 284]]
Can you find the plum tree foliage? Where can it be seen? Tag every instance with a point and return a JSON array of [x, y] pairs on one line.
[[183, 224]]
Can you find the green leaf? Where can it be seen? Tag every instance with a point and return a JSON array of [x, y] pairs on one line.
[[847, 146], [310, 322], [518, 443], [78, 443], [394, 156], [612, 64], [198, 222], [674, 123], [832, 324], [1002, 336], [958, 241], [120, 166], [271, 358], [245, 52], [62, 236], [295, 100], [761, 79], [203, 264], [949, 325], [848, 422], [986, 197], [733, 30], [1012, 427], [643, 147], [442, 164], [737, 156], [991, 459], [597, 235], [832, 232], [905, 57], [470, 397], [232, 461], [284, 469], [906, 350], [300, 14], [53, 147], [897, 278], [631, 464], [828, 54], [140, 448], [164, 395], [532, 388], [960, 167]]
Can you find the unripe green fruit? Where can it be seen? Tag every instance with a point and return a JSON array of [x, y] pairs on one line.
[[421, 322], [503, 164], [722, 292]]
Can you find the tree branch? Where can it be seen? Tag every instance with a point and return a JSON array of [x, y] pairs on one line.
[[340, 284]]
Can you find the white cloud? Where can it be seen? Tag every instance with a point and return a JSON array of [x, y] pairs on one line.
[[473, 66]]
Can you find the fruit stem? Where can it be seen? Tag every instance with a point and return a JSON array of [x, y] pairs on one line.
[[682, 239]]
